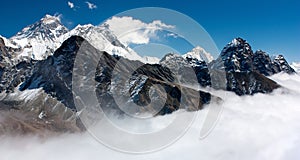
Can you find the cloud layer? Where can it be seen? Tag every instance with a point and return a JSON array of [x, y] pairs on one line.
[[250, 127], [130, 30]]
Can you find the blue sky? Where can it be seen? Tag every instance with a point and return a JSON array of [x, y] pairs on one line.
[[270, 25]]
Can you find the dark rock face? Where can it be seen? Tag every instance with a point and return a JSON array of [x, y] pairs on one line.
[[237, 56], [266, 66], [249, 83], [282, 65], [201, 70], [139, 88], [263, 63], [45, 111], [188, 68], [11, 75], [54, 75], [244, 70], [41, 115], [3, 54]]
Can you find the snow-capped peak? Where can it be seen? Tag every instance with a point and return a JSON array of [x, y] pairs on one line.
[[83, 28], [237, 56], [103, 39], [39, 40], [47, 28], [48, 19], [173, 60], [200, 54]]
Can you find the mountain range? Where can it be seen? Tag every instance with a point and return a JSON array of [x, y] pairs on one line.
[[36, 70]]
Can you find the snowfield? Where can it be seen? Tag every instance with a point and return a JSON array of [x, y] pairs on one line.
[[263, 126]]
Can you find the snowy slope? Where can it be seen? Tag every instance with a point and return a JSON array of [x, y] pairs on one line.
[[151, 60], [9, 43], [200, 54], [296, 66], [39, 40], [103, 39]]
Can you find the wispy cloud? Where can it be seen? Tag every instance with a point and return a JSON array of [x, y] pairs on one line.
[[71, 5], [134, 31], [91, 5]]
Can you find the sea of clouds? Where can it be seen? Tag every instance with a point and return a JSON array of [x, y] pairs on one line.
[[263, 126]]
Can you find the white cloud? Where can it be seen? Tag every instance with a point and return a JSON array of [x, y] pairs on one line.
[[71, 5], [173, 35], [130, 30], [296, 66], [91, 5], [263, 126]]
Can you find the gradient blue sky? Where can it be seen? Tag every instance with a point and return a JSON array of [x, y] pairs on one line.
[[270, 25]]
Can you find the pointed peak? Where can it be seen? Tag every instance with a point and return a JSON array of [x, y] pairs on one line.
[[173, 59], [200, 54], [50, 19], [79, 26], [237, 41], [198, 48], [57, 16], [278, 58], [48, 16]]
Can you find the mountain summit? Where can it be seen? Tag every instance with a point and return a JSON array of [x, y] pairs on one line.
[[39, 40], [200, 54], [237, 56], [47, 29], [246, 71]]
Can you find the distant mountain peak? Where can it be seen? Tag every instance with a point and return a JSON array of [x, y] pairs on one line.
[[48, 27], [40, 39], [50, 16], [47, 19], [84, 26], [200, 54]]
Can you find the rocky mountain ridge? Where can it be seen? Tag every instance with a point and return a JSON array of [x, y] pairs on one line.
[[42, 88]]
